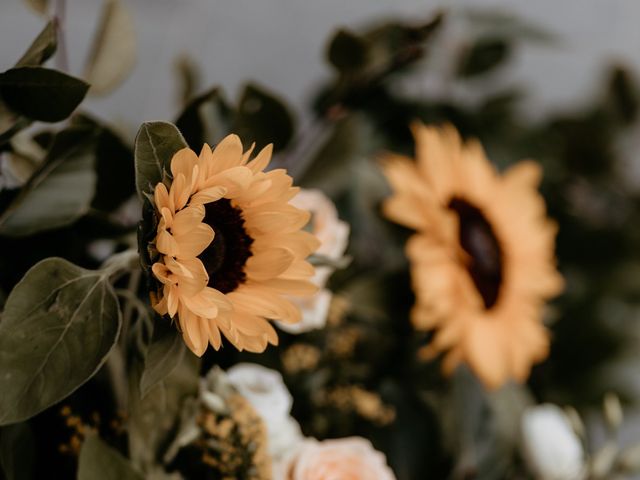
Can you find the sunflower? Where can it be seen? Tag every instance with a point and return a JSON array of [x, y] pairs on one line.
[[230, 247], [482, 258]]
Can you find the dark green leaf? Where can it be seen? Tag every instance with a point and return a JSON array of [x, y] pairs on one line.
[[263, 118], [113, 54], [483, 56], [42, 48], [17, 452], [60, 192], [155, 145], [205, 119], [41, 93], [115, 182], [164, 354], [98, 461], [153, 418], [58, 326], [347, 52]]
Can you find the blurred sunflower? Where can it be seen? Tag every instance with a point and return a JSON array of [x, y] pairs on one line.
[[230, 247], [482, 260]]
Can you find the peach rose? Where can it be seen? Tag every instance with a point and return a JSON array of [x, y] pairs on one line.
[[352, 458]]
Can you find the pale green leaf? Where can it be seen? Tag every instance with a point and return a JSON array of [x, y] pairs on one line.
[[155, 145], [58, 326], [98, 461], [113, 54], [42, 47], [60, 192]]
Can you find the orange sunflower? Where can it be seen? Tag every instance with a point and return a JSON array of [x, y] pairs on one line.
[[482, 259], [231, 247]]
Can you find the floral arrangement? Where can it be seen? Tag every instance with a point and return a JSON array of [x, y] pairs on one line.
[[390, 293]]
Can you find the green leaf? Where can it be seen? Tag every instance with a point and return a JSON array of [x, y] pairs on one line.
[[347, 52], [153, 418], [205, 119], [113, 54], [17, 448], [164, 353], [98, 461], [485, 55], [263, 118], [60, 192], [58, 326], [42, 48], [155, 145], [41, 93]]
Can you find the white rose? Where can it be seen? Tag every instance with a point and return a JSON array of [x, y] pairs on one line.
[[268, 395], [333, 234], [353, 458], [550, 446]]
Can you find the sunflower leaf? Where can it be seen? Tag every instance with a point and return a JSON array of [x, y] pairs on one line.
[[42, 48], [60, 192], [164, 354], [155, 145], [58, 326], [41, 93], [98, 461]]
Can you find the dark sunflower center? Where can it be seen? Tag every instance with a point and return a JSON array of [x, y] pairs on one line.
[[479, 241], [225, 258]]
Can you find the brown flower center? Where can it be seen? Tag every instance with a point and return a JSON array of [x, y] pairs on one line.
[[225, 258], [479, 241]]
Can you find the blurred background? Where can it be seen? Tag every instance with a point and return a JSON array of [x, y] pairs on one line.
[[556, 81], [280, 43]]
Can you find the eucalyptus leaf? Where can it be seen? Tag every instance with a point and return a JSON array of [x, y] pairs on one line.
[[113, 54], [347, 52], [38, 6], [58, 326], [60, 192], [98, 461], [155, 145], [42, 48], [483, 56], [164, 354], [263, 118], [17, 448], [41, 93]]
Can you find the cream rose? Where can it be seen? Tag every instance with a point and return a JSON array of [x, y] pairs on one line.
[[353, 458], [268, 395], [333, 234], [550, 446]]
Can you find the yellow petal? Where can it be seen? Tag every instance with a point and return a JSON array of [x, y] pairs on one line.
[[261, 161], [183, 162], [227, 154], [269, 263], [195, 241]]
